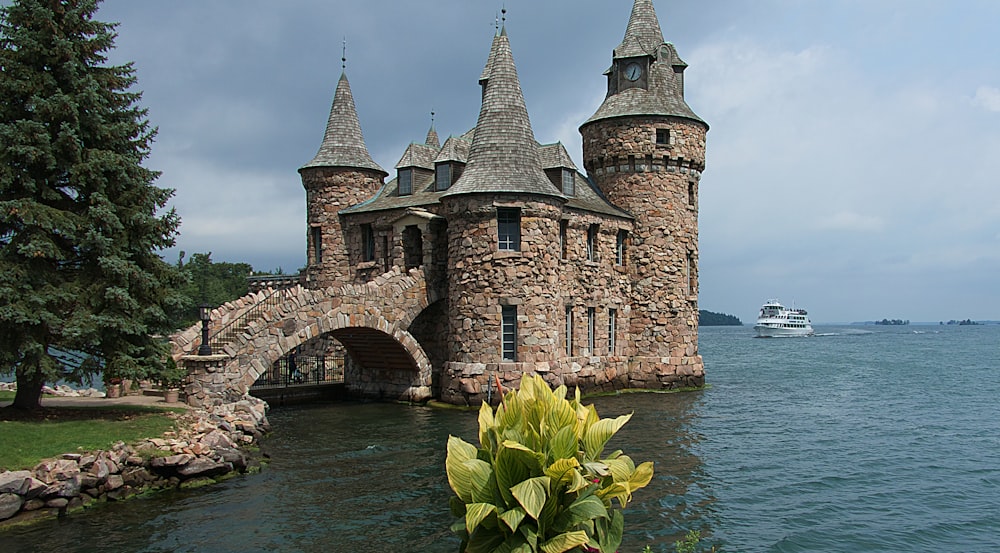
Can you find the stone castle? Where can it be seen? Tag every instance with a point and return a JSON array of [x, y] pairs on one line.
[[532, 266]]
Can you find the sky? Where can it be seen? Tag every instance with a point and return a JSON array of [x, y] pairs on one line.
[[852, 163]]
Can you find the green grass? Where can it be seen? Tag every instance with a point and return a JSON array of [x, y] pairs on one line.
[[6, 396], [26, 441]]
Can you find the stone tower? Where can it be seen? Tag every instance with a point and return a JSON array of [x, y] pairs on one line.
[[342, 174], [502, 282], [645, 149]]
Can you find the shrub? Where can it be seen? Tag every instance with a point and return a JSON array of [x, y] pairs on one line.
[[538, 481]]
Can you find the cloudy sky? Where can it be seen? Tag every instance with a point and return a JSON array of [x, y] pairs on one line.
[[853, 159]]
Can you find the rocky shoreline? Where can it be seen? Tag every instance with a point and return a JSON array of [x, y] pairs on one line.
[[207, 446]]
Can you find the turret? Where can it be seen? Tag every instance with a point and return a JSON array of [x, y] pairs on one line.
[[341, 174], [645, 149]]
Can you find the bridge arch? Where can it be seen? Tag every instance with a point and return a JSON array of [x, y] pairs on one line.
[[370, 320]]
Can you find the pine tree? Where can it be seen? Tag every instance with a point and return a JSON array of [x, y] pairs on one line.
[[81, 221]]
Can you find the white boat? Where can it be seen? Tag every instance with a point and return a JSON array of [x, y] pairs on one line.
[[775, 320]]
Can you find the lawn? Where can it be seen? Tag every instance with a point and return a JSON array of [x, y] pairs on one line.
[[26, 439]]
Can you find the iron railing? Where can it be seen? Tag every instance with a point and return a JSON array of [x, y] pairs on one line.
[[302, 370], [229, 333]]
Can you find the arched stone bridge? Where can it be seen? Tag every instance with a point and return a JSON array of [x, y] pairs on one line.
[[370, 320]]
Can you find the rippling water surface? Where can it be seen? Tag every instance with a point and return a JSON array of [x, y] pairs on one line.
[[859, 439]]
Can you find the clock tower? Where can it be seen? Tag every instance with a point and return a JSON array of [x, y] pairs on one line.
[[645, 149]]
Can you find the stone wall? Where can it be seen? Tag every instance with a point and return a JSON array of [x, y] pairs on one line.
[[328, 190], [207, 445], [657, 181]]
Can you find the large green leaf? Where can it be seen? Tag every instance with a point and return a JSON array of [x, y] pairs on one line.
[[563, 444], [487, 434], [565, 542], [477, 513], [532, 494], [609, 532], [459, 473], [599, 433], [513, 465], [583, 510], [642, 476], [513, 517]]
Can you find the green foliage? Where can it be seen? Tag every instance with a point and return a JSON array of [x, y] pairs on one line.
[[206, 281], [539, 481], [80, 218], [708, 318], [171, 376]]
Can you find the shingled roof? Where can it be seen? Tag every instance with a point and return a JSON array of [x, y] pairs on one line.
[[643, 35], [504, 154], [343, 145]]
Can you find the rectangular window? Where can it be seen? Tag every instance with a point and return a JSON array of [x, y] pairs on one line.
[[592, 233], [662, 137], [569, 330], [612, 330], [509, 332], [442, 178], [563, 227], [405, 182], [620, 241], [367, 243], [509, 229], [569, 182], [691, 192], [591, 321], [690, 274], [316, 235]]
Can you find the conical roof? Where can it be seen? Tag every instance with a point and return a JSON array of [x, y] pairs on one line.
[[432, 138], [343, 145], [643, 35], [503, 156]]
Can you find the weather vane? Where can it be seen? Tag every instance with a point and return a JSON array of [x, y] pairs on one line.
[[343, 55]]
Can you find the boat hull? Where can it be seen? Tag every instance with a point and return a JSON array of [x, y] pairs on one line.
[[773, 332]]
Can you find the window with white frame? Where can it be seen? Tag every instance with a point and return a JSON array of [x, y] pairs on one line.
[[592, 234], [509, 229], [591, 329], [509, 332], [612, 331]]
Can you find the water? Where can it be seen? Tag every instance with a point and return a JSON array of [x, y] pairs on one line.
[[859, 439]]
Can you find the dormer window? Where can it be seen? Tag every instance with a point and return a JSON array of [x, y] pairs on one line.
[[569, 182], [405, 179], [442, 176]]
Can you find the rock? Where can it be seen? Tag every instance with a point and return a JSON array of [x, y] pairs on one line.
[[10, 504], [172, 461], [35, 488], [62, 488], [217, 439], [14, 481], [33, 505], [202, 467], [114, 482], [56, 470], [57, 503], [234, 457]]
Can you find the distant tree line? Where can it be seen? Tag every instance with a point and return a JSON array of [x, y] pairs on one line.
[[965, 322], [708, 318], [893, 322]]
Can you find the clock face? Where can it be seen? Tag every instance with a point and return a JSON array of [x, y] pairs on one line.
[[633, 71]]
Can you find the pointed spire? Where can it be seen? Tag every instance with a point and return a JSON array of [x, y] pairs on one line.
[[643, 35], [504, 155], [343, 144], [432, 135]]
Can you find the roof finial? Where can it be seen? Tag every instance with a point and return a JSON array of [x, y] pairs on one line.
[[343, 55], [503, 12], [432, 117], [496, 22]]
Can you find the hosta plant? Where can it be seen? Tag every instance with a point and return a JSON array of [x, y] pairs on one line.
[[539, 480]]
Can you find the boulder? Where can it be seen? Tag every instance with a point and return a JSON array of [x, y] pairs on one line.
[[10, 504], [202, 467], [14, 481]]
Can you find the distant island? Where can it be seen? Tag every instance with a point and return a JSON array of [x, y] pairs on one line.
[[965, 322], [708, 318], [893, 322]]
